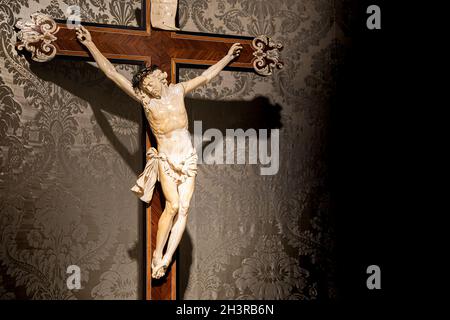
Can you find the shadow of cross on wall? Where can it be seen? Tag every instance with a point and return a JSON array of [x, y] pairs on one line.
[[88, 83], [256, 114]]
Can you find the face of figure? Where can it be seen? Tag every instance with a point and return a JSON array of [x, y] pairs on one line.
[[153, 83]]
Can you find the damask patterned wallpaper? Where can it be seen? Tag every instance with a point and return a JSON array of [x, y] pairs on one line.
[[114, 12], [266, 237], [70, 149]]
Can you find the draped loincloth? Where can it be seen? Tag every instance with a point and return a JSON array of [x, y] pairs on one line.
[[145, 183]]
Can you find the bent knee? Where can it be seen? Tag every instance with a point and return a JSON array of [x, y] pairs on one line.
[[172, 208], [184, 208]]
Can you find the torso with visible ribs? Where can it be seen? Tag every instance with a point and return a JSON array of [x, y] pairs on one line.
[[168, 120]]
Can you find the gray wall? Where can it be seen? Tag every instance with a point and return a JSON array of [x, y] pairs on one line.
[[70, 149], [265, 237]]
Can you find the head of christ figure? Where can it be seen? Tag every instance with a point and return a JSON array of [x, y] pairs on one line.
[[150, 81]]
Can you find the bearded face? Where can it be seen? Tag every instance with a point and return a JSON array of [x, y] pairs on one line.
[[153, 83]]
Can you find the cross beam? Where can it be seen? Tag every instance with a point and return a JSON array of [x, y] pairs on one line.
[[162, 48], [45, 38]]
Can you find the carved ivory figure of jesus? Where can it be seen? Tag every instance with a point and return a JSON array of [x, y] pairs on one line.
[[174, 164]]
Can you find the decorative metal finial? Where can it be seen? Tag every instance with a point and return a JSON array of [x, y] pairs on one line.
[[267, 55], [37, 36]]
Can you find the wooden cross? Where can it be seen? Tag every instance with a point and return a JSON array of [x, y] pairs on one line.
[[167, 50]]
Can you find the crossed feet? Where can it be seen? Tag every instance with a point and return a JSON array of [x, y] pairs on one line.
[[159, 266]]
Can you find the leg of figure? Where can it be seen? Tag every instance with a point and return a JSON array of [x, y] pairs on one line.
[[170, 191], [185, 191]]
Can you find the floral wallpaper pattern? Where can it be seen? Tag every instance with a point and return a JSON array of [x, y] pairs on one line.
[[70, 148], [113, 12], [266, 237]]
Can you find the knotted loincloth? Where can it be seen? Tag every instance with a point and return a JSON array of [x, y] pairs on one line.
[[145, 183]]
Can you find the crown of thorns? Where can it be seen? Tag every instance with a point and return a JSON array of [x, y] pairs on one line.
[[142, 74]]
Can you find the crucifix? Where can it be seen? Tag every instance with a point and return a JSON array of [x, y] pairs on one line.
[[174, 163]]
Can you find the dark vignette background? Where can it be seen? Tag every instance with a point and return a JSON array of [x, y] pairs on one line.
[[364, 168], [369, 167]]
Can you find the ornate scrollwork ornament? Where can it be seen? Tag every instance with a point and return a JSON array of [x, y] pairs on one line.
[[37, 37], [267, 55]]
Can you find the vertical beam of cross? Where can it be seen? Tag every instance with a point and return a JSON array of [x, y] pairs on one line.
[[167, 49]]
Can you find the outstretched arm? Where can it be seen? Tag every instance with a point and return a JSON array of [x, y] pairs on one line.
[[212, 71], [84, 37]]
